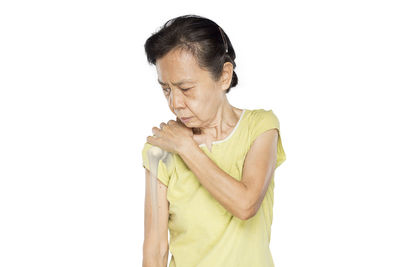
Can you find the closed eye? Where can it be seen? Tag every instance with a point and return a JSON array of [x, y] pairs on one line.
[[183, 89]]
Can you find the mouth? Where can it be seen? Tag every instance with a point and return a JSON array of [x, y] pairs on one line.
[[185, 119]]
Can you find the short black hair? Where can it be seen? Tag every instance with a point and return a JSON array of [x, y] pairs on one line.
[[208, 43]]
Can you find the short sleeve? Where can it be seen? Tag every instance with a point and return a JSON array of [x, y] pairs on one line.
[[164, 170], [264, 120]]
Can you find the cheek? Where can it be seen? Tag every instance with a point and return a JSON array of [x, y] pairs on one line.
[[195, 105]]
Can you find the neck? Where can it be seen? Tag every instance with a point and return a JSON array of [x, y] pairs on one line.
[[223, 122]]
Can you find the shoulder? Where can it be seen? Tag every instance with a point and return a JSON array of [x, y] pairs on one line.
[[166, 165], [260, 121], [264, 117]]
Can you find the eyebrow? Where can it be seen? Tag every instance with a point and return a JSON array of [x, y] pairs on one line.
[[177, 83]]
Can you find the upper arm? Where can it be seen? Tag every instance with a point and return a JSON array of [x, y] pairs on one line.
[[150, 240], [258, 168]]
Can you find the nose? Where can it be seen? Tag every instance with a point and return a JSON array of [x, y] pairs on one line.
[[176, 99]]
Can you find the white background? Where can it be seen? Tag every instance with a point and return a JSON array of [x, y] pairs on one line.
[[78, 100]]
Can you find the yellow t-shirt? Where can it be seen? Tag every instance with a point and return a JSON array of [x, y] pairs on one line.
[[202, 232]]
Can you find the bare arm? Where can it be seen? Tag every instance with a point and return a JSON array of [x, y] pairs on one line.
[[155, 250]]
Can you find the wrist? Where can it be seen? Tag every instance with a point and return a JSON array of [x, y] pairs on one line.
[[187, 146]]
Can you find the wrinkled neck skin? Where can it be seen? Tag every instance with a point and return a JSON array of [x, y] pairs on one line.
[[221, 125]]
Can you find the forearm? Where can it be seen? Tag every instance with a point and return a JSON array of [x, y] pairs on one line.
[[228, 191]]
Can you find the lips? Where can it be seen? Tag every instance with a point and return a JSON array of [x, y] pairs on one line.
[[185, 119]]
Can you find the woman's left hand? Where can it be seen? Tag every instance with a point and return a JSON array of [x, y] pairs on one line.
[[171, 136]]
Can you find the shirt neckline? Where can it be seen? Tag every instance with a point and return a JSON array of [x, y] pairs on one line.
[[231, 134]]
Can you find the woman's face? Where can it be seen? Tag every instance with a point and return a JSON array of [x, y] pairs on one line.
[[190, 90]]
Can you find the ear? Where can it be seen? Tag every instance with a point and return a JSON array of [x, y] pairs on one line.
[[226, 76]]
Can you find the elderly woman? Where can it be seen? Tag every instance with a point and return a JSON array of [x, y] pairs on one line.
[[216, 194]]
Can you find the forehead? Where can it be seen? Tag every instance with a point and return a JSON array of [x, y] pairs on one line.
[[179, 65]]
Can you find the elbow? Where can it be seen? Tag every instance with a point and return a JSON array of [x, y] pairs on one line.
[[153, 261], [155, 255], [248, 207], [247, 214], [165, 252]]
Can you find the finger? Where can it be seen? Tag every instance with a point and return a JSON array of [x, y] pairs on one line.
[[150, 139], [155, 130]]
